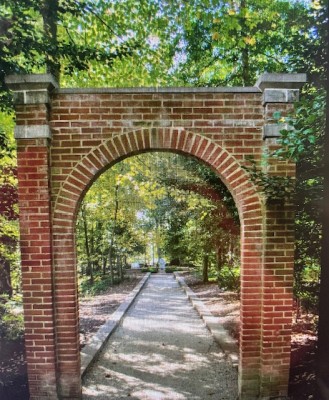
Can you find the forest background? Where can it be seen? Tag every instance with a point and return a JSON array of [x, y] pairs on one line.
[[160, 204]]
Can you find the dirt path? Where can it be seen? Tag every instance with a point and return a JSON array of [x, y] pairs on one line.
[[226, 305], [95, 310], [161, 351]]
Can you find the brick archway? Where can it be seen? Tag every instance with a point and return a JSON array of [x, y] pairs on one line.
[[67, 138]]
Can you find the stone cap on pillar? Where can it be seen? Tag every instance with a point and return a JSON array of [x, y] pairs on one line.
[[281, 81], [31, 89], [280, 88]]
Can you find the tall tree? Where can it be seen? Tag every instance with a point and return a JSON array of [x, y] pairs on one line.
[[8, 210], [231, 43], [323, 347], [155, 197], [35, 36]]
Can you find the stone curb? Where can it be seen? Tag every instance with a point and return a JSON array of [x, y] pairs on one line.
[[222, 337], [92, 349]]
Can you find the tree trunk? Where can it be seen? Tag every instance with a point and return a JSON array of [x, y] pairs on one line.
[[219, 257], [120, 261], [104, 264], [205, 268], [111, 265], [245, 67], [245, 50], [115, 216], [89, 270], [5, 279], [49, 12]]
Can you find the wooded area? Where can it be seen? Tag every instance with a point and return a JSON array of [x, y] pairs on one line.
[[161, 204], [158, 205]]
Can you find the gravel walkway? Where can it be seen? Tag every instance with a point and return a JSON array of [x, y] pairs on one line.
[[161, 351]]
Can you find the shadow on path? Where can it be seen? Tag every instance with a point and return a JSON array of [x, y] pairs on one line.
[[161, 351]]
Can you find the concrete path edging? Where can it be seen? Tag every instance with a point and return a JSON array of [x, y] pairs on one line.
[[93, 348], [222, 337]]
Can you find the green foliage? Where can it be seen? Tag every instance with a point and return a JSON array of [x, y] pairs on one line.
[[170, 270], [11, 317], [161, 202], [303, 141], [150, 269], [202, 174], [308, 50], [56, 36], [99, 285], [307, 284], [231, 43], [108, 224], [274, 187], [9, 255], [152, 43], [144, 43], [197, 271], [10, 274], [304, 144], [228, 277]]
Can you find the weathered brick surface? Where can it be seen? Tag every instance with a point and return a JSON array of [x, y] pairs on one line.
[[37, 274], [90, 132]]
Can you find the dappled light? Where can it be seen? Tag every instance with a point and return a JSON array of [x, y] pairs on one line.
[[92, 131], [156, 136], [161, 351], [156, 206]]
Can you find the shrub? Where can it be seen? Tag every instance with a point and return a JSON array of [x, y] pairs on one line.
[[228, 277], [170, 269], [11, 318], [99, 285], [309, 296], [150, 269]]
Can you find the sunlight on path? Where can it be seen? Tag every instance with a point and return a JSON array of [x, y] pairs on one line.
[[162, 351]]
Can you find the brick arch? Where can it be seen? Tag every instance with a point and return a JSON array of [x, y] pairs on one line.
[[113, 150], [67, 137], [86, 171]]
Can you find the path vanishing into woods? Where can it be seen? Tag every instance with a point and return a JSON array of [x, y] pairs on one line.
[[161, 351]]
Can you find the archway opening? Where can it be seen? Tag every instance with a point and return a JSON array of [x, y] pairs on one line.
[[89, 130], [156, 211]]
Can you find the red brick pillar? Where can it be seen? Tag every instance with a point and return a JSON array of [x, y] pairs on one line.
[[31, 98], [280, 91]]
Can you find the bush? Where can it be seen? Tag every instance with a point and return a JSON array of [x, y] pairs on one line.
[[170, 269], [11, 318], [150, 269], [99, 285], [308, 295], [228, 277]]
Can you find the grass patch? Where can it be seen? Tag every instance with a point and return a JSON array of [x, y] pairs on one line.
[[99, 285]]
